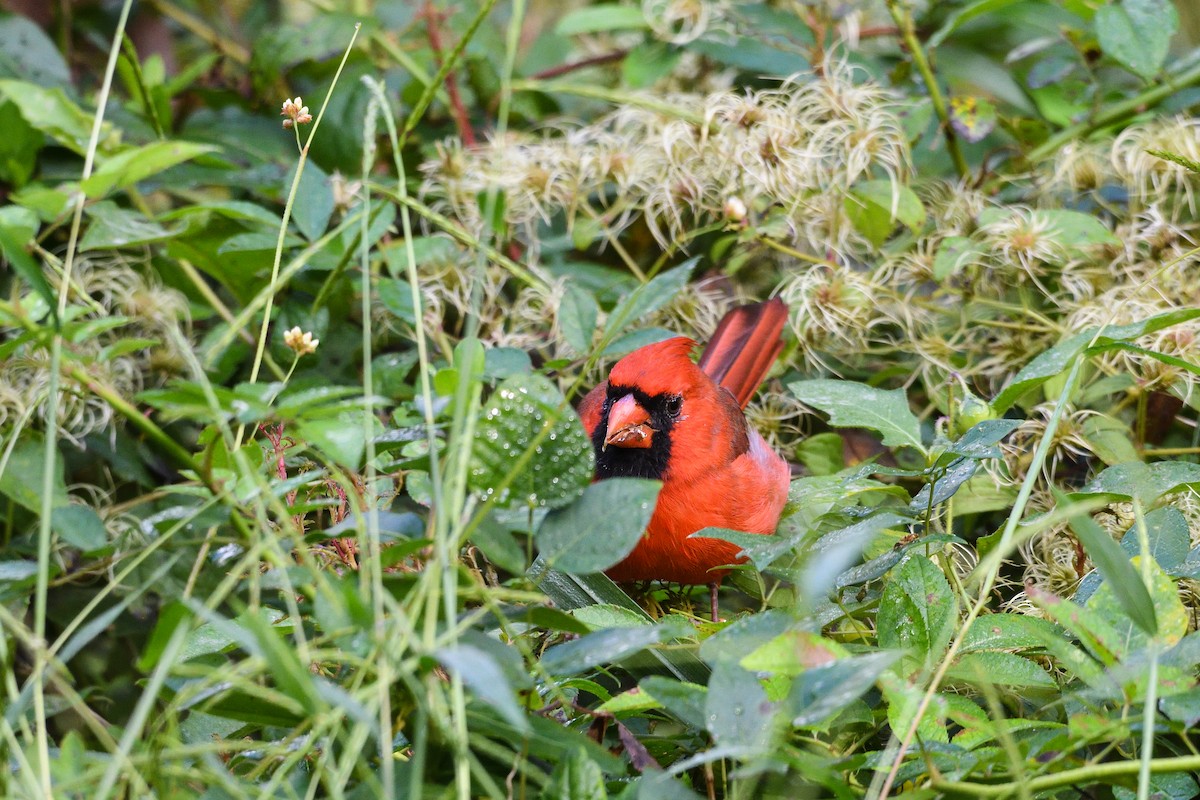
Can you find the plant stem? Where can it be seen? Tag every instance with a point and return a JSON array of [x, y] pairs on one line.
[[1118, 111], [50, 451], [904, 21], [1083, 776]]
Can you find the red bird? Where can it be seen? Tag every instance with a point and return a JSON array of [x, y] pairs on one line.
[[659, 415]]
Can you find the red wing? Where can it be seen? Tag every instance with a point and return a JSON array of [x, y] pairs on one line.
[[744, 347]]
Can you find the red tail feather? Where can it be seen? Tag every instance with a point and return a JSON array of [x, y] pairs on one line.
[[744, 347]]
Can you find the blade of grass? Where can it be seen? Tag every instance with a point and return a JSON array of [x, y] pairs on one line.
[[50, 455]]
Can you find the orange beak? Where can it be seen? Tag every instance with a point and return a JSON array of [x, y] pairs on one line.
[[628, 424]]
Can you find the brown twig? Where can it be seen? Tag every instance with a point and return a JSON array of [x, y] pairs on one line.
[[594, 61], [433, 20]]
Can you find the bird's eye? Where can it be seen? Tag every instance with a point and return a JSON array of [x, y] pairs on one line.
[[674, 405]]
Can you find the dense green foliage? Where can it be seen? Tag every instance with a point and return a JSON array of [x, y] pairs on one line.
[[295, 503]]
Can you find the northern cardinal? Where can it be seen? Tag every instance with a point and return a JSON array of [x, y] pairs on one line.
[[659, 415]]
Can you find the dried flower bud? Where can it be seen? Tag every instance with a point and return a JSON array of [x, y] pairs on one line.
[[735, 209], [296, 113], [300, 342]]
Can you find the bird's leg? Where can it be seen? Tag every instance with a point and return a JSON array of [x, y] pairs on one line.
[[712, 590]]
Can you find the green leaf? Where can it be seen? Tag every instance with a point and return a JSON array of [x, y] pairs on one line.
[[963, 15], [647, 298], [737, 710], [1176, 158], [1077, 230], [115, 227], [1007, 632], [341, 438], [683, 699], [12, 251], [576, 777], [953, 254], [131, 166], [918, 610], [20, 145], [52, 113], [1170, 616], [561, 466], [600, 527], [482, 675], [577, 316], [1000, 669], [26, 52], [80, 527], [1114, 565], [601, 18], [1168, 536], [822, 453], [856, 405], [1137, 33], [1147, 482], [608, 646], [314, 202], [1054, 361], [824, 690], [874, 207], [21, 480]]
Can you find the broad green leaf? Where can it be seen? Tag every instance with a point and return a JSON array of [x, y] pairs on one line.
[[1114, 565], [1001, 669], [826, 689], [561, 465], [1075, 229], [609, 646], [682, 698], [21, 480], [736, 708], [577, 316], [1058, 358], [965, 14], [874, 207], [1096, 634], [576, 777], [314, 202], [822, 453], [601, 18], [20, 145], [79, 526], [646, 299], [1168, 534], [600, 527], [953, 255], [52, 113], [12, 252], [1146, 482], [792, 652], [856, 405], [1007, 632], [504, 362], [918, 610], [1170, 616], [131, 166], [340, 438], [114, 227], [981, 439], [576, 591], [1137, 33], [483, 676], [27, 53]]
